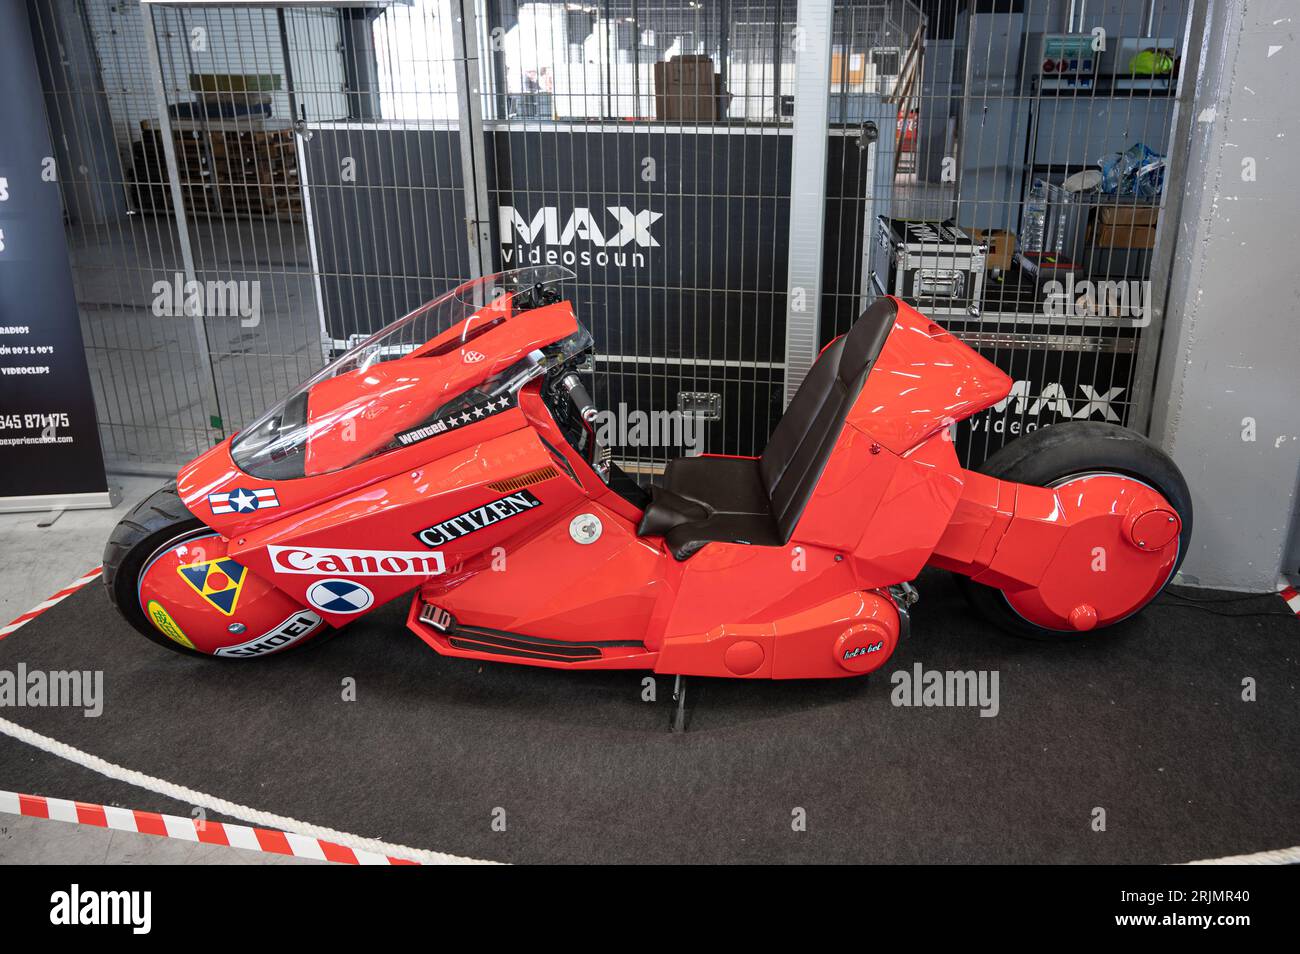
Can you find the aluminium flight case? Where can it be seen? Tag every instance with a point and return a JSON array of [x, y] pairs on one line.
[[934, 266]]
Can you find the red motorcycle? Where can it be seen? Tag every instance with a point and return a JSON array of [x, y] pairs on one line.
[[453, 457]]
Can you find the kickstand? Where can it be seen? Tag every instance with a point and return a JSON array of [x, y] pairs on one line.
[[678, 720]]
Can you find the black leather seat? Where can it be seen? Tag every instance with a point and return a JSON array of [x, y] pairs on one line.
[[759, 501]]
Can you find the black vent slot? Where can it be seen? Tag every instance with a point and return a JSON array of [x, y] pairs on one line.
[[503, 646]]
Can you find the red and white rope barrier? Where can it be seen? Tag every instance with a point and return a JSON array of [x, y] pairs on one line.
[[54, 600], [1292, 598], [191, 829]]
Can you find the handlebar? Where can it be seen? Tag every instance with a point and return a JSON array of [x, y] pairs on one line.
[[577, 393], [599, 455]]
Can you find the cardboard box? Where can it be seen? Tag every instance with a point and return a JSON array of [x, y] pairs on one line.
[[1147, 215], [1111, 235], [849, 71], [689, 70], [687, 89], [1001, 247]]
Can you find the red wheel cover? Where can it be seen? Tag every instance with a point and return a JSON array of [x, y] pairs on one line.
[[1119, 548], [202, 599]]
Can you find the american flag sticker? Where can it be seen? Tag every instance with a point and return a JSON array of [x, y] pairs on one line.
[[241, 500]]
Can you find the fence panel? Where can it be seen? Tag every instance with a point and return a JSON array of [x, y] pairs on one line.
[[646, 144]]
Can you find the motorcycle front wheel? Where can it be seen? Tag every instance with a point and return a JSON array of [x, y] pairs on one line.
[[171, 578]]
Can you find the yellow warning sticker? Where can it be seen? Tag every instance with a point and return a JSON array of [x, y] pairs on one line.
[[166, 625]]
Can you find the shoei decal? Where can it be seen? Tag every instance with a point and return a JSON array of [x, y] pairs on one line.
[[319, 562], [452, 421], [240, 500], [298, 626], [217, 581], [166, 625], [472, 520], [339, 596]]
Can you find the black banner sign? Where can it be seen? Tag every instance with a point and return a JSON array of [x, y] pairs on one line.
[[49, 442], [1049, 386]]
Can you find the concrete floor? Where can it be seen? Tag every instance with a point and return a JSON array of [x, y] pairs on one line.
[[35, 841], [34, 563]]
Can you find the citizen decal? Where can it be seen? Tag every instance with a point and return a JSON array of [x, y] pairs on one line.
[[316, 561], [452, 421], [477, 519]]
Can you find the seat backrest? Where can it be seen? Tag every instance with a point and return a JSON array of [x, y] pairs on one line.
[[797, 452]]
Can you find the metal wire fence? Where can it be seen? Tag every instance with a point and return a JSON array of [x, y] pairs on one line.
[[249, 189]]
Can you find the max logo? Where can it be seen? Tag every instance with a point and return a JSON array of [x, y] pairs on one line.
[[863, 650], [614, 227], [1053, 398]]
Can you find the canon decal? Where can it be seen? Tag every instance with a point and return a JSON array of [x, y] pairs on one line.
[[473, 520], [317, 561]]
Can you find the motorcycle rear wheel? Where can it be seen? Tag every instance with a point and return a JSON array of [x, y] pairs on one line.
[[1051, 455]]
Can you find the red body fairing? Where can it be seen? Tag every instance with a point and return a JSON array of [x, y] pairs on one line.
[[451, 473]]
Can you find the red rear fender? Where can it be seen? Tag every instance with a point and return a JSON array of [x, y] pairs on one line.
[[924, 380]]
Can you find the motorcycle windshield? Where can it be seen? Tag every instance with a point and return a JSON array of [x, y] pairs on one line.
[[330, 422]]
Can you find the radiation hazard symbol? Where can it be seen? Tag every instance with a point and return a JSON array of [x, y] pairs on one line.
[[217, 581]]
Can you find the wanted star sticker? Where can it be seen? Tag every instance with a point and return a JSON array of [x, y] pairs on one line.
[[241, 500], [218, 581], [452, 421]]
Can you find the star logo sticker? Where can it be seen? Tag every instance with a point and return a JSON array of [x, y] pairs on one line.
[[243, 500]]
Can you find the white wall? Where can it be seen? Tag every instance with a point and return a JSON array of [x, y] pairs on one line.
[[1227, 398], [244, 40]]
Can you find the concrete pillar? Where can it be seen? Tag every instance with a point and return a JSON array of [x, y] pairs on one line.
[[1227, 393], [81, 126], [360, 68]]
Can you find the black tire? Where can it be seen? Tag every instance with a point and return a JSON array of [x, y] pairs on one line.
[[158, 521], [1050, 454], [155, 521]]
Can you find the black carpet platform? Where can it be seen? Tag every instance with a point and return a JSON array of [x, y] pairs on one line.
[[1146, 723]]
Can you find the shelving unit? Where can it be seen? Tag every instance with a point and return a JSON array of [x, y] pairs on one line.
[[228, 168]]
